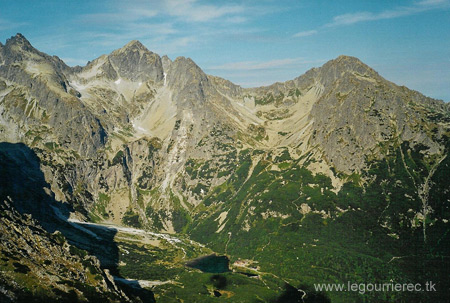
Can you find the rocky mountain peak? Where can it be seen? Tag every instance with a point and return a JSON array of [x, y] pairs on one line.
[[133, 45], [187, 80], [17, 47], [187, 66], [135, 62], [346, 58], [18, 39], [334, 69], [166, 62]]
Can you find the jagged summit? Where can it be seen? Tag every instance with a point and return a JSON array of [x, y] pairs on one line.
[[350, 63], [134, 43], [188, 80], [135, 61], [166, 62], [19, 43], [133, 46], [337, 68], [347, 58], [186, 64], [19, 39]]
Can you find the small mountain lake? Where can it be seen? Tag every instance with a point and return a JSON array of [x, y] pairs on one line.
[[210, 264]]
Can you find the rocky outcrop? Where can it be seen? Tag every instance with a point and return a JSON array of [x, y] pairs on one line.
[[37, 266], [136, 63], [188, 82], [359, 112], [37, 94]]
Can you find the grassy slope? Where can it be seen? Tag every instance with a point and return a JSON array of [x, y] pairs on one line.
[[379, 224]]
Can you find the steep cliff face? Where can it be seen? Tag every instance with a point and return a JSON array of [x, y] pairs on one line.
[[136, 63], [359, 111], [37, 102]]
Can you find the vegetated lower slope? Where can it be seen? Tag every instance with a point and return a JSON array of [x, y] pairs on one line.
[[339, 174], [370, 220]]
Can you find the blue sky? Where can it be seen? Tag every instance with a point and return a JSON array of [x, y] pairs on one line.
[[251, 43]]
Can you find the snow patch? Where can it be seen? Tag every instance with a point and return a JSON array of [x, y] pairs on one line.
[[81, 88], [75, 223], [78, 86], [178, 151], [118, 81], [165, 79], [140, 129], [143, 283], [94, 70], [129, 230]]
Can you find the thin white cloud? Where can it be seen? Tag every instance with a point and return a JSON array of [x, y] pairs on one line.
[[401, 11], [123, 34], [8, 25], [170, 46], [236, 20], [168, 24], [305, 33], [348, 19], [143, 13], [143, 29], [432, 2], [191, 10], [121, 15], [416, 8], [256, 65]]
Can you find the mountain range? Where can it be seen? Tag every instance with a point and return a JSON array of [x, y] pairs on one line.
[[337, 175]]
